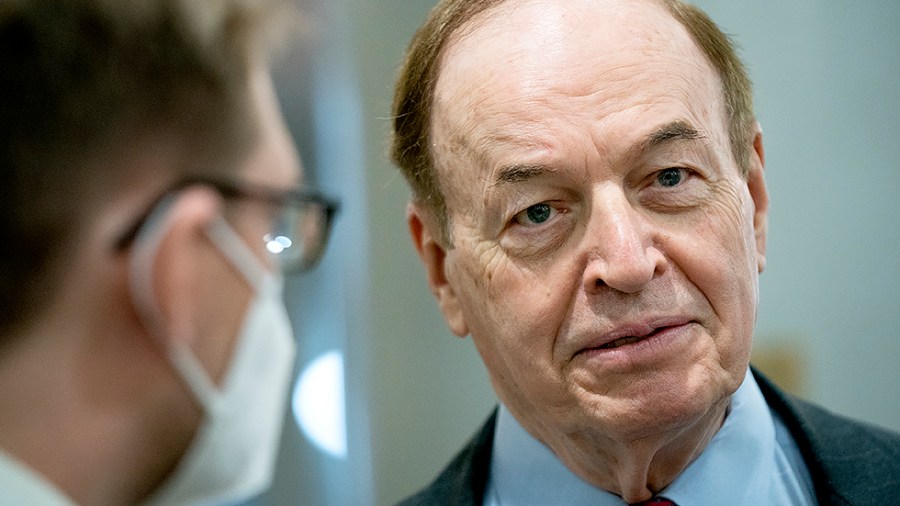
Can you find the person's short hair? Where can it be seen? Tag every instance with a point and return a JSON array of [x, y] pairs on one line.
[[82, 82], [414, 93]]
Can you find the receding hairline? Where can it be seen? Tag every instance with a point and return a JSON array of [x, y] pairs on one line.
[[448, 135], [415, 94]]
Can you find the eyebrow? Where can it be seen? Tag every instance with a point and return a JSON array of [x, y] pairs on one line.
[[519, 173], [674, 131]]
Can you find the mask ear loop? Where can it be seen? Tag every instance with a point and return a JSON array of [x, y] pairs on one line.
[[140, 269], [146, 248], [237, 252]]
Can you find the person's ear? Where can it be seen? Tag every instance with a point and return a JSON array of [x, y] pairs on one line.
[[167, 266], [756, 183], [426, 237]]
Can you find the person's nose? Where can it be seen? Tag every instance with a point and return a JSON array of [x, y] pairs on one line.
[[622, 253]]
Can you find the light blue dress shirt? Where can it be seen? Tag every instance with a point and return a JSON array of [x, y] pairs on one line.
[[752, 460]]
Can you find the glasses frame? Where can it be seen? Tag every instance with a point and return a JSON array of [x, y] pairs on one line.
[[298, 196]]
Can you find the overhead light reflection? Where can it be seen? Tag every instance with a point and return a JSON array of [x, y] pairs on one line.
[[318, 403]]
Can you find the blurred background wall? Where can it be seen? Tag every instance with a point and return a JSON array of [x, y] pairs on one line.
[[386, 395]]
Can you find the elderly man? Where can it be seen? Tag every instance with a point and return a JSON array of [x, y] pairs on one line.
[[590, 206], [151, 205]]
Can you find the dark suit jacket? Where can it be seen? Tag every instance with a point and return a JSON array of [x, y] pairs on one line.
[[851, 463]]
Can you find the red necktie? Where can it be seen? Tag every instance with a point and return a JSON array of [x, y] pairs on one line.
[[657, 501]]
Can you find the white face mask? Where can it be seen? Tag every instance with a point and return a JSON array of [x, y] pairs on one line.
[[232, 455]]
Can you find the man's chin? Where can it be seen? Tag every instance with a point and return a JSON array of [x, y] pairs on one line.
[[647, 409]]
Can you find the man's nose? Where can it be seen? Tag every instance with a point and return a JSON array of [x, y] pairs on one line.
[[622, 253]]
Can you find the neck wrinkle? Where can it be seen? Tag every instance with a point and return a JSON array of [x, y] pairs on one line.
[[639, 469]]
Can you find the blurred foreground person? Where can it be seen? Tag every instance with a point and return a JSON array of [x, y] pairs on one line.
[[152, 201]]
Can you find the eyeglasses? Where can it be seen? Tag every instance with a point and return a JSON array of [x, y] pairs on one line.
[[299, 229]]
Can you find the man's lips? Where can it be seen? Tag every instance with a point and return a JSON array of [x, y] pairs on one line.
[[623, 341], [634, 332]]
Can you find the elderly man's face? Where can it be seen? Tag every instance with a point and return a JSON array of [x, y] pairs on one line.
[[605, 247]]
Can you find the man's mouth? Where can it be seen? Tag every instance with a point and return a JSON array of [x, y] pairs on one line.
[[623, 341]]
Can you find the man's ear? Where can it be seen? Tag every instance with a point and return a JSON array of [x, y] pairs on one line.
[[426, 236], [756, 183], [166, 266]]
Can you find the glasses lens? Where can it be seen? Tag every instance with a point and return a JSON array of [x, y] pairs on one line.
[[298, 236]]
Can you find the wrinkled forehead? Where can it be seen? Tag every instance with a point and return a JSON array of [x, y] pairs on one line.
[[524, 58]]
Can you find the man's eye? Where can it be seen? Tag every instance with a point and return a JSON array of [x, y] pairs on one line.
[[534, 215], [670, 177]]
